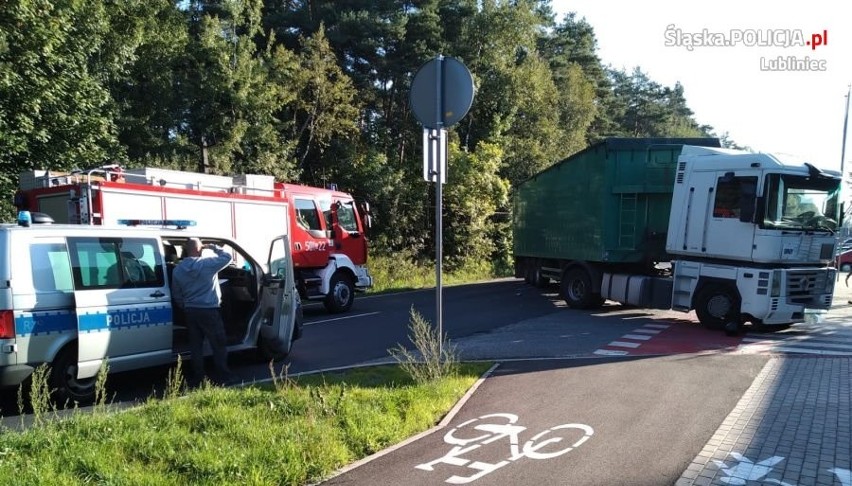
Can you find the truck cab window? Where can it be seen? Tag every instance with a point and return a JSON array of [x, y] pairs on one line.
[[796, 202], [306, 214], [729, 194], [346, 216]]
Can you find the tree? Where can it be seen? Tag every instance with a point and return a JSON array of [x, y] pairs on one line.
[[323, 109]]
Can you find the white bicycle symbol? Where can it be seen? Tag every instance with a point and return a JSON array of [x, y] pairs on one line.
[[473, 434]]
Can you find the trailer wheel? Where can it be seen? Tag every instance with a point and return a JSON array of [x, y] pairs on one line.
[[65, 387], [341, 293], [539, 280], [577, 289], [716, 305]]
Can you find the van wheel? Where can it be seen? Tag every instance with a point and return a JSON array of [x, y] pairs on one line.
[[272, 349], [341, 293], [845, 267], [65, 386], [716, 305], [576, 287]]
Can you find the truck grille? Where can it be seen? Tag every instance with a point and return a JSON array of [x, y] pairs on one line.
[[806, 287]]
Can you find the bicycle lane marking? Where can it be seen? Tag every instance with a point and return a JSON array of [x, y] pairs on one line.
[[493, 433]]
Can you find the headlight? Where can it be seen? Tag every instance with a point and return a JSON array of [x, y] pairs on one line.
[[775, 291]]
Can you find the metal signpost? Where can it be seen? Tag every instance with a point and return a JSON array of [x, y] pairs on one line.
[[441, 95]]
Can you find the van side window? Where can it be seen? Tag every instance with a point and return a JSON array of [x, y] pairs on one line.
[[116, 263], [51, 268]]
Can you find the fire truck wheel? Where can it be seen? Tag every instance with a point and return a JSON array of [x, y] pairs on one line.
[[716, 305], [67, 388], [341, 293]]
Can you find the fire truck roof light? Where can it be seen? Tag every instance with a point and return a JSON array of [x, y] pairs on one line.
[[179, 223]]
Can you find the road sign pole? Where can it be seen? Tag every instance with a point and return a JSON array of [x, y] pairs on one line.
[[439, 254], [436, 108], [439, 197]]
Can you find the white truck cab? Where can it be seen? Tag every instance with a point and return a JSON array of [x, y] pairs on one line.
[[75, 297]]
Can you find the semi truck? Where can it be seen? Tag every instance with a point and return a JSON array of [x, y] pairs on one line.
[[682, 224], [326, 226]]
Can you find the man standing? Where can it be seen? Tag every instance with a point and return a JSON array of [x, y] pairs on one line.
[[195, 288]]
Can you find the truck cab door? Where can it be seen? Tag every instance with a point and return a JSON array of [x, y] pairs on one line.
[[349, 237], [123, 307], [279, 304], [728, 236]]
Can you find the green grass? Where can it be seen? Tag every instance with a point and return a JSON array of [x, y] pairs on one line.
[[296, 431], [403, 273]]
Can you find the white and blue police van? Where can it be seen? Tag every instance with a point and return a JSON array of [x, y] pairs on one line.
[[74, 297]]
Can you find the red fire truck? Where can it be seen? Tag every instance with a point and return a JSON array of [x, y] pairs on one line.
[[326, 226]]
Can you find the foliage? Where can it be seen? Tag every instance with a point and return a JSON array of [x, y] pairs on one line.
[[298, 434], [433, 357], [317, 92]]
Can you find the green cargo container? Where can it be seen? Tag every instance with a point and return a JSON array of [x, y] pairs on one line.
[[606, 204]]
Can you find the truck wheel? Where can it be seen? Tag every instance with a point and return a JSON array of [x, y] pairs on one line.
[[66, 387], [717, 305], [577, 289], [341, 293], [539, 280]]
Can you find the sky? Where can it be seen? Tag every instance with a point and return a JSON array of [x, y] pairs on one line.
[[744, 89]]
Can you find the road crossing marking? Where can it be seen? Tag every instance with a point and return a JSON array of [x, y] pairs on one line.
[[830, 339], [632, 340], [624, 344], [639, 337], [648, 331], [610, 352]]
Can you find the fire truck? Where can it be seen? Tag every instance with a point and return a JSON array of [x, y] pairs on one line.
[[326, 226]]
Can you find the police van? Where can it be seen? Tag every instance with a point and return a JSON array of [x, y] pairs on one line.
[[76, 296]]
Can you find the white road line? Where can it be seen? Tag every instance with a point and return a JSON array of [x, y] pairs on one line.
[[638, 337], [610, 352], [745, 348], [656, 326], [340, 318], [624, 344], [804, 343]]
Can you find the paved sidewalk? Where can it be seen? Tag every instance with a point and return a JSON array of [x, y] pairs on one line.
[[792, 426]]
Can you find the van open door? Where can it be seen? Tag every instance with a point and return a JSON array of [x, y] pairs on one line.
[[279, 302]]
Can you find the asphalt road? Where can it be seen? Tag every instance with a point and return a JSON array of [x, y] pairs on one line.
[[648, 418], [374, 325]]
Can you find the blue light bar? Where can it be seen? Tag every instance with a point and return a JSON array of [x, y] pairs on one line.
[[179, 223]]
